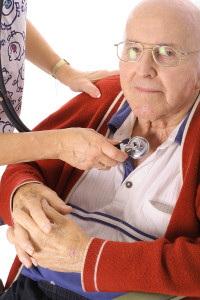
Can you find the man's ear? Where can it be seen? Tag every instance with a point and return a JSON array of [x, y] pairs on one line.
[[198, 76], [198, 81]]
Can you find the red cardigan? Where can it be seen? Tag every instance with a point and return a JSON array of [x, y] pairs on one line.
[[169, 265]]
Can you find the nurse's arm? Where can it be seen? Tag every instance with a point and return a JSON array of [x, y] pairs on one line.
[[39, 52], [81, 148]]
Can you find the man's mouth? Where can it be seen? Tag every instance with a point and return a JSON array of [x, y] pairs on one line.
[[146, 90]]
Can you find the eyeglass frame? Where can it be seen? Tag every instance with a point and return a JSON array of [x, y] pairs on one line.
[[181, 52]]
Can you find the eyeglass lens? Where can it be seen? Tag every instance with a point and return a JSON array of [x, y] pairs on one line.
[[163, 55]]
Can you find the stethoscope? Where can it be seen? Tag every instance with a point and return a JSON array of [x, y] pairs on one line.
[[11, 113], [136, 148]]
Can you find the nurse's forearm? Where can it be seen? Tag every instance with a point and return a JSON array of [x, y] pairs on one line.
[[23, 147], [38, 51], [79, 147]]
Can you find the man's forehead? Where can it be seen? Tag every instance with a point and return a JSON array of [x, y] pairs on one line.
[[178, 12], [166, 21], [157, 32], [186, 7]]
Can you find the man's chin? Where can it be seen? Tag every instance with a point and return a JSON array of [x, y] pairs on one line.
[[144, 112]]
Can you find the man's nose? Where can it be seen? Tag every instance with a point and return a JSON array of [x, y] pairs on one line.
[[146, 66]]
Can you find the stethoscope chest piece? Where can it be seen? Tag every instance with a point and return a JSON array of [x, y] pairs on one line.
[[136, 148]]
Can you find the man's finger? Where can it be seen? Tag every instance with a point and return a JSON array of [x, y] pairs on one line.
[[25, 220], [10, 235], [51, 213], [23, 256], [22, 238], [55, 201], [38, 215]]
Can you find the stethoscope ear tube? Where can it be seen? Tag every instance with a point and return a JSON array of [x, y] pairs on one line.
[[12, 115]]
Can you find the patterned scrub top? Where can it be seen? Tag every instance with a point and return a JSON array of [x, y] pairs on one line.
[[12, 48]]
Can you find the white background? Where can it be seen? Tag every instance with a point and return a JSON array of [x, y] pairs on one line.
[[81, 31]]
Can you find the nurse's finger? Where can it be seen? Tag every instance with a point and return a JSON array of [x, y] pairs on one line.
[[101, 166], [90, 89], [112, 152], [109, 162], [100, 74]]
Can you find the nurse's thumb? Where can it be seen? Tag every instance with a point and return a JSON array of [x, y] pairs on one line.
[[91, 90]]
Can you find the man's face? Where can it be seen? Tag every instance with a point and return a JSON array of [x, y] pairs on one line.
[[155, 92]]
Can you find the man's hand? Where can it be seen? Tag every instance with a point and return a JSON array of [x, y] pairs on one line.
[[82, 81], [28, 199], [62, 249], [85, 149]]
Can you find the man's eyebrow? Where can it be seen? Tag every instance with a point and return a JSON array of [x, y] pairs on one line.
[[156, 44]]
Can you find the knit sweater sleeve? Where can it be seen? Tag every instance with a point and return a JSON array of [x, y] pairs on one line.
[[152, 267]]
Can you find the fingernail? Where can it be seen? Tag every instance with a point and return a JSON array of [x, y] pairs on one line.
[[34, 261], [44, 202], [29, 250], [27, 264], [98, 95]]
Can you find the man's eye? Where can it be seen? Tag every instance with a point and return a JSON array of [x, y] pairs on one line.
[[133, 52], [169, 53], [166, 52]]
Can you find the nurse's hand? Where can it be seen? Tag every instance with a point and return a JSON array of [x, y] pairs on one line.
[[28, 199], [85, 149], [62, 249], [82, 81]]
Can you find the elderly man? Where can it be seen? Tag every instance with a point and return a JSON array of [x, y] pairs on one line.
[[136, 226]]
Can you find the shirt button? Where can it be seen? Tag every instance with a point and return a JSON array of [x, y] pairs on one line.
[[52, 282], [129, 184]]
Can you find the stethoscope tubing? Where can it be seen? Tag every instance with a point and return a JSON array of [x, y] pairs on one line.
[[12, 115]]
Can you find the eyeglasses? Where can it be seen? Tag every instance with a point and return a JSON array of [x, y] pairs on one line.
[[165, 56]]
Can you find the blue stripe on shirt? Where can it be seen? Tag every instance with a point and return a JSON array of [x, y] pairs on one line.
[[94, 218]]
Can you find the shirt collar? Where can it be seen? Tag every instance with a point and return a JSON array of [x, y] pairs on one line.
[[121, 115]]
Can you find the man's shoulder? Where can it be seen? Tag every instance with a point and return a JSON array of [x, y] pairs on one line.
[[109, 87], [82, 107], [109, 83]]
